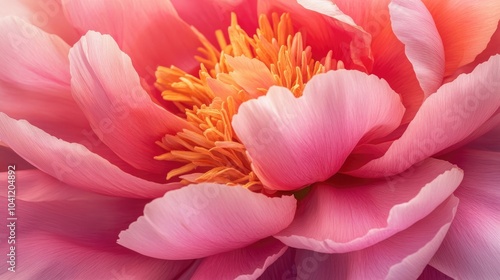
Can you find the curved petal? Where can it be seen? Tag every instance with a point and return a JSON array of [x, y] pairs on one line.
[[150, 32], [117, 107], [339, 34], [465, 28], [294, 142], [206, 219], [209, 16], [36, 80], [455, 111], [413, 25], [403, 256], [73, 163], [45, 14], [471, 248], [325, 218], [246, 263]]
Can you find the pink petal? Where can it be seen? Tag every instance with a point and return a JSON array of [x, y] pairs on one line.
[[403, 256], [150, 32], [488, 141], [209, 16], [47, 15], [294, 142], [46, 256], [9, 157], [430, 273], [324, 220], [340, 34], [206, 219], [282, 268], [117, 107], [390, 61], [413, 25], [246, 263], [471, 248], [73, 163], [465, 28], [36, 80], [455, 112]]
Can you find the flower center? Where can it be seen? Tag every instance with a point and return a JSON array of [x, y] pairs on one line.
[[239, 70]]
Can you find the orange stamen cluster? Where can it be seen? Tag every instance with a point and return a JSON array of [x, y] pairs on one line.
[[212, 152]]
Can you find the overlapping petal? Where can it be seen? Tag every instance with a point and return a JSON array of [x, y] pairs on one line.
[[206, 219], [414, 26], [471, 247], [119, 110], [73, 163], [150, 32], [457, 110], [294, 142], [246, 263], [403, 256], [345, 216]]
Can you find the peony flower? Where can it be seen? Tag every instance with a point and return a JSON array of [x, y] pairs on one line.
[[250, 139]]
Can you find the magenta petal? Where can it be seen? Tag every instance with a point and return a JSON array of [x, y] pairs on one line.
[[73, 163], [343, 218], [403, 256], [248, 263], [294, 142], [414, 26], [206, 219], [471, 248], [455, 111], [119, 110]]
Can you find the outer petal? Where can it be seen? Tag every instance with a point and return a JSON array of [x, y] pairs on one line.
[[36, 80], [209, 16], [471, 249], [294, 142], [73, 163], [117, 107], [455, 111], [403, 256], [465, 28], [246, 263], [342, 217], [67, 233], [413, 25], [150, 32], [44, 14], [206, 219]]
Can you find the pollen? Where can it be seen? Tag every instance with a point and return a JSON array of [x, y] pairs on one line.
[[240, 68]]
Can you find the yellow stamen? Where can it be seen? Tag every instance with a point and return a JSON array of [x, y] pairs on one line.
[[214, 153]]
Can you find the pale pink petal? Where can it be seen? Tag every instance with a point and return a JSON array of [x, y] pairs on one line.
[[465, 28], [74, 164], [325, 218], [294, 142], [471, 248], [107, 89], [341, 35], [45, 14], [35, 85], [150, 32], [446, 117], [390, 61], [209, 16], [413, 25], [403, 256], [245, 263], [206, 219]]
